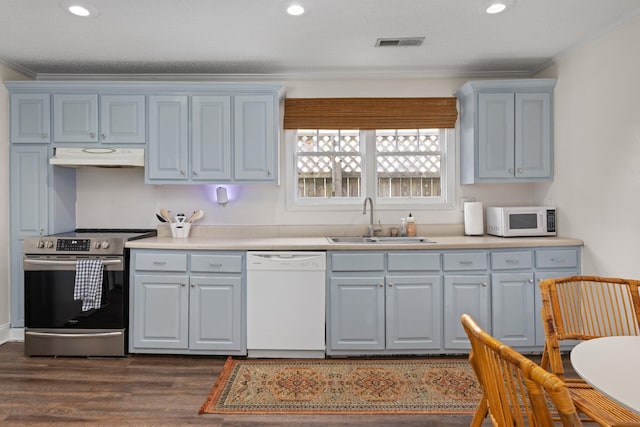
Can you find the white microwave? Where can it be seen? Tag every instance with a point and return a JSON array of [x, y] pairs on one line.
[[521, 221]]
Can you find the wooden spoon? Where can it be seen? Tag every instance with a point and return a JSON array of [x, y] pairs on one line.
[[196, 215], [165, 214]]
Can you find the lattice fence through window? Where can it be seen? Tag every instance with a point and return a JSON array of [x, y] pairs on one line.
[[408, 163], [329, 163]]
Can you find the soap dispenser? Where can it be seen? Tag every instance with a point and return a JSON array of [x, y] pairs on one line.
[[403, 227], [411, 226]]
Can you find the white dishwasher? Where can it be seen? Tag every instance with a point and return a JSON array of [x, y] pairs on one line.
[[286, 304]]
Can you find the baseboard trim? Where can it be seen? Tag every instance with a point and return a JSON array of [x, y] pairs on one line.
[[7, 333]]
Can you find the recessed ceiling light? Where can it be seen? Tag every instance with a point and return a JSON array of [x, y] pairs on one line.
[[79, 8], [496, 8], [295, 10]]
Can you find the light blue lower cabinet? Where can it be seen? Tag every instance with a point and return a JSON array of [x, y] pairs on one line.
[[513, 308], [465, 293], [187, 302]]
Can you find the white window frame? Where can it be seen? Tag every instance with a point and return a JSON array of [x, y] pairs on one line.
[[369, 180]]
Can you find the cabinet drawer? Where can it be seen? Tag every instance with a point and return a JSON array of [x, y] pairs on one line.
[[557, 258], [511, 260], [161, 262], [414, 261], [465, 261], [357, 262], [216, 263]]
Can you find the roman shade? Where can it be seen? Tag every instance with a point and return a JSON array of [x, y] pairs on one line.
[[369, 113]]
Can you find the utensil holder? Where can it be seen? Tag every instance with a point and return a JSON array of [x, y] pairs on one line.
[[180, 231]]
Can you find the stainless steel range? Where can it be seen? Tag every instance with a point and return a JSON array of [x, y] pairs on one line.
[[76, 292]]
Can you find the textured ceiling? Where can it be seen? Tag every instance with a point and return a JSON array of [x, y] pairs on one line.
[[335, 37]]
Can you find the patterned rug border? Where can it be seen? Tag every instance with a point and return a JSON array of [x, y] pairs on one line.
[[230, 364]]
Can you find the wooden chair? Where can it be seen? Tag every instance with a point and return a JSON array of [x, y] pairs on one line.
[[582, 308], [515, 389]]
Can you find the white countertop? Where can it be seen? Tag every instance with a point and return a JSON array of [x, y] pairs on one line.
[[321, 243]]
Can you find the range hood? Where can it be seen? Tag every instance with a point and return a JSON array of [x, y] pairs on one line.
[[98, 157]]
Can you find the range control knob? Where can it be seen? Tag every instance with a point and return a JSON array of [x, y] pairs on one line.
[[104, 244], [48, 244], [40, 244]]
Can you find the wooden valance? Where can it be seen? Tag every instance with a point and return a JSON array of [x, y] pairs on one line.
[[369, 113]]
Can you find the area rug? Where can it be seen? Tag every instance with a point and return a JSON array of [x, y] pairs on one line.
[[344, 386]]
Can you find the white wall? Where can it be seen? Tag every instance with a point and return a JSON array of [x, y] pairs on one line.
[[5, 74], [597, 149], [120, 197]]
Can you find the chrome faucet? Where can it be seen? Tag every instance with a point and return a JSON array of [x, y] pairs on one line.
[[372, 227]]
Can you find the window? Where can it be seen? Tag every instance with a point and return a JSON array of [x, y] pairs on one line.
[[397, 166]]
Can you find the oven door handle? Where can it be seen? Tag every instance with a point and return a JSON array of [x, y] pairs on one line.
[[83, 335], [58, 262]]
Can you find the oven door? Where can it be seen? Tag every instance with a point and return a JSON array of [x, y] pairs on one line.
[[56, 325], [49, 283]]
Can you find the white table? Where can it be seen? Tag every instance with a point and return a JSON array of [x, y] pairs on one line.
[[610, 365]]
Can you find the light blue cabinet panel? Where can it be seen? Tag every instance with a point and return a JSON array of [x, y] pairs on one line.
[[75, 118], [533, 135], [161, 312], [513, 308], [30, 118], [506, 130], [211, 138], [255, 138], [215, 320], [123, 119], [413, 312], [496, 135], [465, 294], [357, 318], [167, 152], [29, 195]]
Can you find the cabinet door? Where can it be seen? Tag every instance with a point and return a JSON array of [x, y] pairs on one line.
[[215, 313], [122, 119], [75, 118], [160, 312], [168, 148], [495, 151], [255, 135], [30, 118], [211, 138], [28, 213], [464, 294], [533, 152], [414, 312], [513, 308], [357, 313]]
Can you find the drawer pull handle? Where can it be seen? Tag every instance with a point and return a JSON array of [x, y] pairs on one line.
[[159, 262], [557, 259], [212, 265], [512, 261], [466, 262]]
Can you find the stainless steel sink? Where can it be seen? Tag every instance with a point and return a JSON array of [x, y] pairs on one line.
[[376, 239]]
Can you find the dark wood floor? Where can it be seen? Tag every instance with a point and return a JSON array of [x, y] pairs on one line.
[[142, 390]]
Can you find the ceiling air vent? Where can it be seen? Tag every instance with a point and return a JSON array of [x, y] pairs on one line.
[[400, 41]]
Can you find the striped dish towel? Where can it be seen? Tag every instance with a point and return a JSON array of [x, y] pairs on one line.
[[88, 287]]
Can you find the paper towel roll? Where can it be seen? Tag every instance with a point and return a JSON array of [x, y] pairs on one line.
[[473, 219]]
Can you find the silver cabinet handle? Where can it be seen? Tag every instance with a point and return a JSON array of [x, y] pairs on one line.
[[484, 284], [195, 173], [520, 170], [510, 171], [466, 262], [530, 281], [512, 261], [77, 336], [183, 284], [381, 285], [181, 172], [391, 285], [557, 259], [193, 285], [92, 134], [103, 136], [159, 262], [44, 136], [61, 262]]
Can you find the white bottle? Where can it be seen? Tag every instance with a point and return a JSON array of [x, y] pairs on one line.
[[403, 227]]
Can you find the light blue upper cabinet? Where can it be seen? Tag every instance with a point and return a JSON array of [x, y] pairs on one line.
[[30, 118], [75, 118], [506, 130], [167, 153], [122, 119], [211, 138], [255, 138]]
